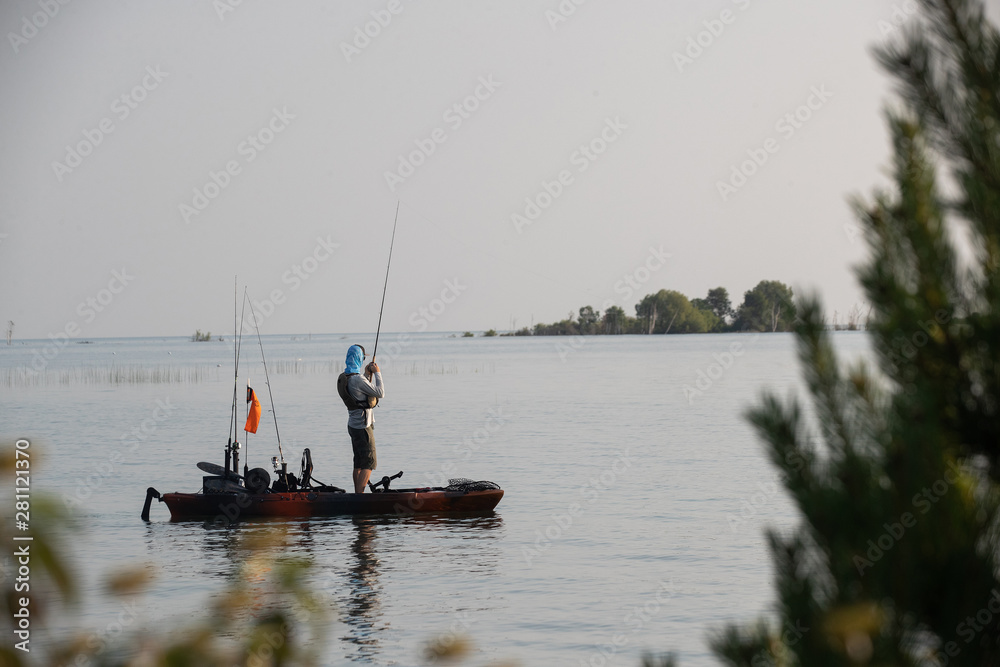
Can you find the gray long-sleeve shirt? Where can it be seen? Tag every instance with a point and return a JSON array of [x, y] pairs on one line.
[[360, 388]]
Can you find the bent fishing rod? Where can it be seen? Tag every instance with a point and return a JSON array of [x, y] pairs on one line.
[[388, 264]]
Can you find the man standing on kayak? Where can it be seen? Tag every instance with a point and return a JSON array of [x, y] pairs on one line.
[[360, 396]]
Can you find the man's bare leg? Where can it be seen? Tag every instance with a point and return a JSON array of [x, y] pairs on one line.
[[361, 476]]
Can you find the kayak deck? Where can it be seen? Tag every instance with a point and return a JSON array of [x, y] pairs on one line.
[[234, 506]]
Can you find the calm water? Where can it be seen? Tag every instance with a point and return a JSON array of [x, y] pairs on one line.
[[633, 513]]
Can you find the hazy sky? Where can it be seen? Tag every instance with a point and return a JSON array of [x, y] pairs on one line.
[[153, 151]]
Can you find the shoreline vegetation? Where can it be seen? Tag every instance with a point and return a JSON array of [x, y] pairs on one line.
[[768, 307]]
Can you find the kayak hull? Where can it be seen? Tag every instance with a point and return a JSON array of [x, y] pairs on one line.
[[229, 507]]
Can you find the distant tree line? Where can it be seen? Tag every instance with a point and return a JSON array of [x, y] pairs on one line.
[[767, 307]]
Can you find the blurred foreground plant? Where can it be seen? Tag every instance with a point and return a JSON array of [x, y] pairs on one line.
[[266, 615], [896, 559]]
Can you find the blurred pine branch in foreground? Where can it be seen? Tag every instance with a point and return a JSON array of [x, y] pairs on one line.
[[896, 559]]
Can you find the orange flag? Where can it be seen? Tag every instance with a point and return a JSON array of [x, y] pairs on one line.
[[253, 413]]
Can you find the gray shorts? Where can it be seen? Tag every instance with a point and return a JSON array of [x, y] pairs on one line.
[[363, 442]]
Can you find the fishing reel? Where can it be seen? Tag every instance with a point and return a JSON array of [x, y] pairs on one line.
[[286, 481]]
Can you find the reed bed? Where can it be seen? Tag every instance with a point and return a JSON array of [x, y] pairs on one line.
[[300, 367], [113, 375], [430, 369], [137, 374]]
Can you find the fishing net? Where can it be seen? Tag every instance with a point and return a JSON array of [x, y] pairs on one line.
[[465, 485]]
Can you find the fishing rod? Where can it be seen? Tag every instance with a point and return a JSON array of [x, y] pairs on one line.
[[234, 416], [267, 380], [239, 348], [387, 265], [236, 370]]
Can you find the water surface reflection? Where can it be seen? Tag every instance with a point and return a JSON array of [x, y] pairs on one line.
[[397, 540], [370, 570]]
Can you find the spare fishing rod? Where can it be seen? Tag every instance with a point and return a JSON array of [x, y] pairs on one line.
[[387, 265], [239, 348], [236, 361], [234, 416], [267, 380]]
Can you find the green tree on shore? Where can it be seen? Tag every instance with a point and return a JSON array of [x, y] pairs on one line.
[[615, 321], [669, 311], [717, 303], [769, 306], [895, 561]]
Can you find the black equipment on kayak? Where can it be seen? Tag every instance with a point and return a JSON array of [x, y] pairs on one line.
[[150, 494], [465, 485], [305, 472], [216, 469], [384, 482], [258, 480], [285, 482]]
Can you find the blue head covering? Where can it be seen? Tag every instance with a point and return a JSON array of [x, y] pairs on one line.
[[355, 358]]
